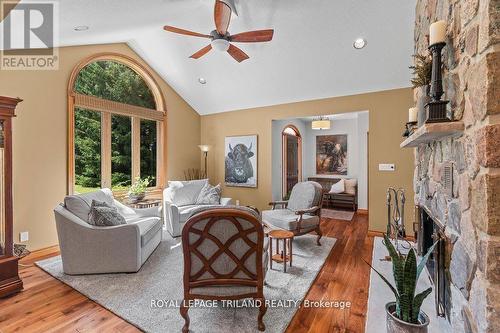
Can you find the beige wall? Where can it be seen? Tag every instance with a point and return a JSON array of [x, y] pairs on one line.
[[388, 113], [40, 139]]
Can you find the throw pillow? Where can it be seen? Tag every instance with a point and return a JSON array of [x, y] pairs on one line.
[[103, 215], [350, 186], [338, 187], [184, 193], [209, 195]]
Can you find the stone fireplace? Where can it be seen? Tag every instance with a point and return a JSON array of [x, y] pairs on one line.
[[457, 178]]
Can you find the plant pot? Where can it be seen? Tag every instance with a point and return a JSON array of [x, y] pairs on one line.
[[423, 99], [396, 325], [136, 197]]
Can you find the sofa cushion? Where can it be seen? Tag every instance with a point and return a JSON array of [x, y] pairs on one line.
[[148, 227], [186, 211], [209, 195], [287, 219], [350, 186], [184, 193], [103, 215], [79, 204], [338, 187]]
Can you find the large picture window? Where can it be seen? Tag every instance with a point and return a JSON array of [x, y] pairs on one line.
[[116, 125]]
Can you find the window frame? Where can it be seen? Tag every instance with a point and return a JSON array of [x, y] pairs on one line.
[[106, 109]]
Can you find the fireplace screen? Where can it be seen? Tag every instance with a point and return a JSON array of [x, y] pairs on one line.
[[438, 263]]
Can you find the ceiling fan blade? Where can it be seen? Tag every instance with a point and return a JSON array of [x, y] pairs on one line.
[[222, 17], [201, 52], [185, 32], [237, 53], [253, 36]]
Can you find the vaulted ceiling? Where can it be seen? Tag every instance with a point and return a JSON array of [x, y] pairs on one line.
[[310, 57]]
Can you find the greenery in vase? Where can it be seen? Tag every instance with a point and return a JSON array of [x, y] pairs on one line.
[[422, 71], [140, 185], [406, 273]]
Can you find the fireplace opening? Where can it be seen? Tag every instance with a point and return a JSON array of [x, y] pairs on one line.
[[431, 230]]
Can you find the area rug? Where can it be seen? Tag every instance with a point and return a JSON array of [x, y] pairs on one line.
[[380, 294], [147, 298], [337, 214]]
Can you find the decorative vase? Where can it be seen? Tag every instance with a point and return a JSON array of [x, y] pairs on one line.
[[396, 325], [423, 99], [136, 197]]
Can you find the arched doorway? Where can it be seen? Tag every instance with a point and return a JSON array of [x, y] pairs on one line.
[[292, 159]]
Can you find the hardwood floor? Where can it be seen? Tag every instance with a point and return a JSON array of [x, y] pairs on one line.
[[47, 305]]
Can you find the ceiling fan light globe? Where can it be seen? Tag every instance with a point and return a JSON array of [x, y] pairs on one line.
[[220, 45]]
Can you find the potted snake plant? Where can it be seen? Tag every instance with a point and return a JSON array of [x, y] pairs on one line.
[[404, 315]]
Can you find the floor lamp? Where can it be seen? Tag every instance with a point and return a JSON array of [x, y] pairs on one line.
[[205, 149]]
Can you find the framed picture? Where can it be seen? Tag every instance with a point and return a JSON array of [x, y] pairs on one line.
[[241, 161], [331, 154]]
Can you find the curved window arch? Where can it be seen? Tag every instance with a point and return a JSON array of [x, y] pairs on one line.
[[116, 122], [291, 149]]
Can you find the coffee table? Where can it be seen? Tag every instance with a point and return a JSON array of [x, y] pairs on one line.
[[286, 238]]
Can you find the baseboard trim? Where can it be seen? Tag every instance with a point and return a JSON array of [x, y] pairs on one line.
[[40, 254], [362, 211]]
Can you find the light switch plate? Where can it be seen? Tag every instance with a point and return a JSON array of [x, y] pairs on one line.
[[386, 167], [24, 236]]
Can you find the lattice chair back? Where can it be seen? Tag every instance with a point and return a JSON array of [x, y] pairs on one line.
[[223, 246]]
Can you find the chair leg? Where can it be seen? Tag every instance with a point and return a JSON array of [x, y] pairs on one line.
[[184, 314], [320, 234], [262, 312]]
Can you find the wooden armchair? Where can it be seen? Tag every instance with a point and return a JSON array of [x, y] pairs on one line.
[[301, 214], [217, 244]]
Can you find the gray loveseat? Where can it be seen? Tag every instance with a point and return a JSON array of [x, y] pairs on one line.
[[87, 249]]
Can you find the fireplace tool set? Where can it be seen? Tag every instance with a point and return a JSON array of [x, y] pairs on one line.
[[396, 218]]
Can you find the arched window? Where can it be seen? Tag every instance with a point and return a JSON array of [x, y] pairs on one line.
[[292, 159], [116, 125]]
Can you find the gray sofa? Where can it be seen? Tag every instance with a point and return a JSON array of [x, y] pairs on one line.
[[87, 249], [179, 203]]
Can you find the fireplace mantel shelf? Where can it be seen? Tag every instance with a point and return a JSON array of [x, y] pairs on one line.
[[433, 132]]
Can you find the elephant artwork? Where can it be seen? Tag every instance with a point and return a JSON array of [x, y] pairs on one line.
[[331, 154], [241, 161]]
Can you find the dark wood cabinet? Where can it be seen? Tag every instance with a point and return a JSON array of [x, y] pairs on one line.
[[9, 275]]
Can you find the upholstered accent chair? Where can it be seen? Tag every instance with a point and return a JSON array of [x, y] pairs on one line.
[[89, 249], [301, 214], [225, 257]]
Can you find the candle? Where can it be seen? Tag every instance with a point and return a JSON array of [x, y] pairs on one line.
[[437, 32], [412, 115]]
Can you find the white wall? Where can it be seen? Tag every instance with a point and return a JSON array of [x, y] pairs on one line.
[[356, 128]]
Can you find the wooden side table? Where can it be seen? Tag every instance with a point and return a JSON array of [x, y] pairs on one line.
[[146, 203], [286, 253]]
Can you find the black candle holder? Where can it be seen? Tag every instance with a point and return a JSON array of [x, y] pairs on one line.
[[436, 108]]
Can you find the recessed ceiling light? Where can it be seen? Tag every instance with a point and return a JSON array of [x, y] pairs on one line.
[[359, 43], [202, 80], [81, 28]]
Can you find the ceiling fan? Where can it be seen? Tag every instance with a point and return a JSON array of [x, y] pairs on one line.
[[220, 37]]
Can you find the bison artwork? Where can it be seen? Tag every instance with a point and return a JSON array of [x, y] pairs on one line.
[[331, 154], [240, 161]]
